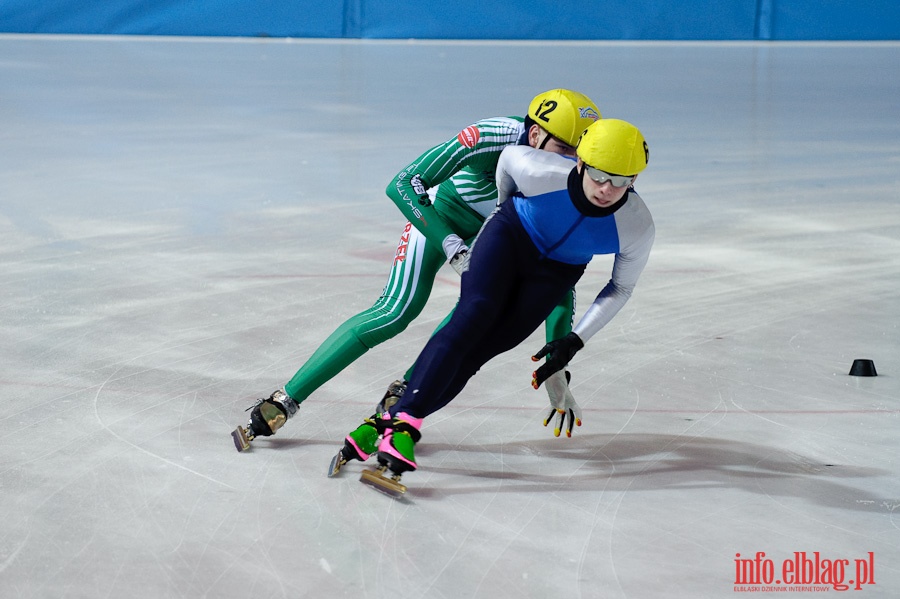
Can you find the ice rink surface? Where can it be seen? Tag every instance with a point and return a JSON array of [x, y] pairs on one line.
[[183, 221]]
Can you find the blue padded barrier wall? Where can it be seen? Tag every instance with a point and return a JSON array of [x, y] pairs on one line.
[[277, 18], [563, 20], [465, 19]]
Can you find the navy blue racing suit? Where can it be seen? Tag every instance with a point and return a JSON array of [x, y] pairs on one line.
[[529, 253]]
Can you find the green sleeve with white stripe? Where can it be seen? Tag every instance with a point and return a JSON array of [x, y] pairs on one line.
[[476, 148]]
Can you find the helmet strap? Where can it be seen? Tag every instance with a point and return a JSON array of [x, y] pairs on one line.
[[546, 139]]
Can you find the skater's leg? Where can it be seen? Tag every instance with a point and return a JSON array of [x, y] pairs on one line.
[[408, 374], [538, 296], [487, 287], [405, 294], [562, 318], [534, 298]]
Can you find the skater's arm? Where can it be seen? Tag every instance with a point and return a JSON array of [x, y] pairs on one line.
[[409, 192], [636, 233], [627, 268], [531, 172], [476, 147]]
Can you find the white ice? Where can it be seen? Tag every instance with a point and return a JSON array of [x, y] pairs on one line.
[[183, 221]]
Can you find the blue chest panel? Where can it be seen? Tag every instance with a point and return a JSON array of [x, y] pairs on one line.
[[562, 233]]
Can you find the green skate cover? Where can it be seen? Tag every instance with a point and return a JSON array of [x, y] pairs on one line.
[[365, 437]]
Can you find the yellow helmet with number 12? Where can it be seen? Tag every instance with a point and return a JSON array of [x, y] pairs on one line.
[[564, 114]]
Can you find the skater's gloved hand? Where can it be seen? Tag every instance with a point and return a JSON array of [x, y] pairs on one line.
[[559, 353], [452, 245], [460, 262], [457, 253], [562, 403]]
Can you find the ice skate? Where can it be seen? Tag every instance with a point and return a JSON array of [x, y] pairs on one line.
[[393, 394], [375, 478], [267, 415], [360, 444], [242, 437], [395, 453]]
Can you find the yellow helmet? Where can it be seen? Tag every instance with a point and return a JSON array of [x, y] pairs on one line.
[[564, 114], [615, 147]]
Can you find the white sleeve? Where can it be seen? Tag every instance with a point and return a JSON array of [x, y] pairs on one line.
[[627, 268], [530, 171]]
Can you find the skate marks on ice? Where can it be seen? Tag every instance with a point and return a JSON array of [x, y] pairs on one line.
[[648, 462], [96, 403]]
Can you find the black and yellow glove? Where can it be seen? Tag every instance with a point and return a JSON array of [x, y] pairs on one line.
[[559, 353], [562, 403]]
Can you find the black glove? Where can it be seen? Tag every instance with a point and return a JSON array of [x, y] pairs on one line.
[[559, 353]]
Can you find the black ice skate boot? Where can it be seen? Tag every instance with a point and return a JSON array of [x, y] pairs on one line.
[[267, 415], [393, 394]]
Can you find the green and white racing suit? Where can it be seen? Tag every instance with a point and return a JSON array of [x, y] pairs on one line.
[[462, 169]]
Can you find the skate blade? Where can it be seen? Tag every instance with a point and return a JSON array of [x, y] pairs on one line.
[[337, 462], [389, 486], [240, 438]]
